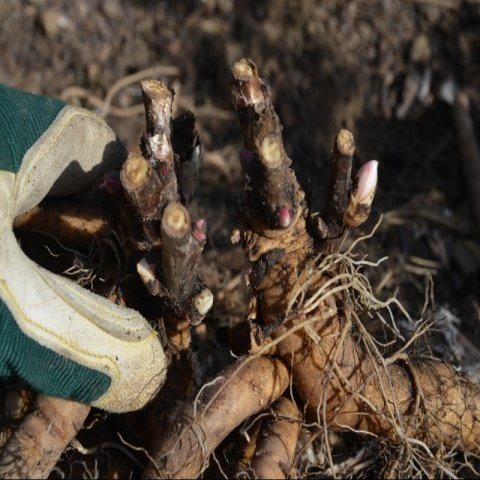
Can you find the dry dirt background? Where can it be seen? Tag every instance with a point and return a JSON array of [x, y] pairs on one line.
[[385, 69]]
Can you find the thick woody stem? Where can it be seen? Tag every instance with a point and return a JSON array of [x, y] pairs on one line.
[[143, 187], [274, 194], [156, 144], [340, 181], [181, 249], [348, 203], [150, 184], [35, 447], [158, 99], [178, 250]]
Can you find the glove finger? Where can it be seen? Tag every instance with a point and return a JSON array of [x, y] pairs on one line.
[[77, 148], [52, 147]]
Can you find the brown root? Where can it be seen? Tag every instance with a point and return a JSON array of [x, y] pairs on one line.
[[68, 221], [243, 390], [276, 441], [345, 386], [35, 447], [342, 387]]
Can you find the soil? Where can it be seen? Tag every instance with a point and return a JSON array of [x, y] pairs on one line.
[[385, 69]]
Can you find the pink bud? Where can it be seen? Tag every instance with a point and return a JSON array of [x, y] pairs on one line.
[[163, 169], [200, 230], [111, 183], [367, 180], [284, 217]]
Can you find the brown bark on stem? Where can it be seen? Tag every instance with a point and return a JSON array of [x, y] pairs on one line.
[[35, 447], [143, 187], [274, 190], [156, 143], [244, 389], [340, 182], [180, 252]]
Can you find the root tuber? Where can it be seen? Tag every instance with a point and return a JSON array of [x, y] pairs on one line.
[[35, 447], [71, 223], [276, 441], [244, 389]]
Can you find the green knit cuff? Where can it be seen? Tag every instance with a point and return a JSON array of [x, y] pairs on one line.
[[23, 119], [43, 369]]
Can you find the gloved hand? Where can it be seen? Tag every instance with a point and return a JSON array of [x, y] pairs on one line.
[[63, 340]]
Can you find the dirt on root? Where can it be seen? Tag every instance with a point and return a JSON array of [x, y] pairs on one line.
[[385, 69]]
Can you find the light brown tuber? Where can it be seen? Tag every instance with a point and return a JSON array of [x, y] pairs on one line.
[[276, 441], [35, 447], [245, 388]]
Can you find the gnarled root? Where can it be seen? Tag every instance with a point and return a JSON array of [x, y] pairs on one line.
[[244, 389], [35, 447], [343, 387], [276, 441]]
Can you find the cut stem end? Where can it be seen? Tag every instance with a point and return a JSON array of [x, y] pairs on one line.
[[176, 220]]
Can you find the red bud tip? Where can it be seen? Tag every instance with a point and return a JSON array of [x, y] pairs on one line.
[[111, 183], [284, 217], [200, 230]]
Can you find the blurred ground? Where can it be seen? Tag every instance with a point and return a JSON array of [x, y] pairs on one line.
[[385, 69]]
